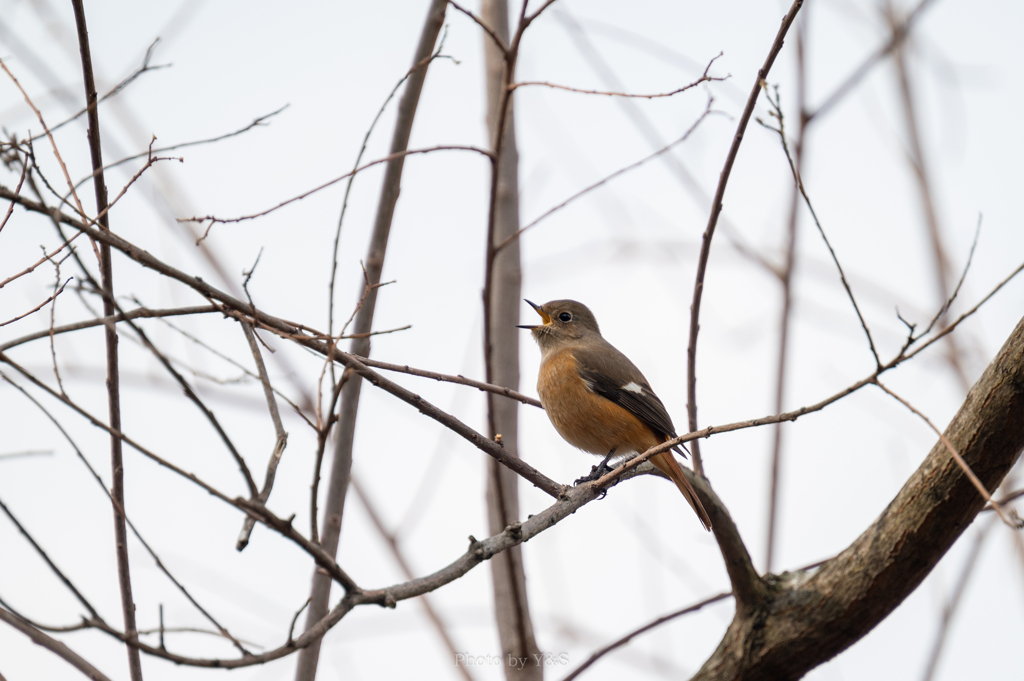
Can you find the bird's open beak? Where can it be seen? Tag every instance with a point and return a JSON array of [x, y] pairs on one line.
[[543, 315]]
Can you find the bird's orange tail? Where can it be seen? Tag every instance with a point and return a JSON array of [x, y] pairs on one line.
[[668, 465]]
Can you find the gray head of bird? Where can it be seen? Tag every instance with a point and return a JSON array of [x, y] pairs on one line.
[[564, 321]]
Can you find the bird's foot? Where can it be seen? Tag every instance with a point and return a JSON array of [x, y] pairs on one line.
[[596, 472]]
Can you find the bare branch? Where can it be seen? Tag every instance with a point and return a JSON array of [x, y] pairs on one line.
[[39, 306], [810, 619], [257, 122], [396, 551], [1011, 519], [709, 232], [159, 563], [280, 443], [113, 377], [42, 554], [461, 380], [705, 78], [620, 171], [10, 208], [618, 643], [394, 156], [897, 38], [498, 42], [376, 252], [794, 168], [143, 68], [261, 512], [142, 312], [46, 258], [49, 135], [53, 645]]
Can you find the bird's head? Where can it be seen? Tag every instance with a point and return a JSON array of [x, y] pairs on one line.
[[563, 321]]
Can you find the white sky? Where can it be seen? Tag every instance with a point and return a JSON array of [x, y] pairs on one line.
[[627, 250]]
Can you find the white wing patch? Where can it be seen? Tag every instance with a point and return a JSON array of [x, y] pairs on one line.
[[633, 387]]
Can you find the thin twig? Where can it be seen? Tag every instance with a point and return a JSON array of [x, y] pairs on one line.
[[39, 306], [403, 564], [46, 258], [794, 169], [42, 554], [461, 380], [263, 514], [49, 135], [620, 171], [100, 321], [709, 232], [376, 253], [916, 158], [480, 22], [705, 78], [31, 452], [159, 563], [1011, 519], [348, 190], [649, 131], [191, 394], [291, 627], [280, 443], [212, 219], [785, 316], [53, 321], [898, 36], [255, 123], [10, 208], [144, 68], [618, 643], [963, 275], [954, 599]]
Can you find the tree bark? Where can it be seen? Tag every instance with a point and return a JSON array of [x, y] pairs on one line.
[[803, 619], [515, 627], [345, 435]]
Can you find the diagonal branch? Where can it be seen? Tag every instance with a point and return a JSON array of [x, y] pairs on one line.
[[39, 549], [53, 645], [809, 619], [709, 232], [898, 35], [280, 443]]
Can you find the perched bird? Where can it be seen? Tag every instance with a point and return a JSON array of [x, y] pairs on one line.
[[596, 398]]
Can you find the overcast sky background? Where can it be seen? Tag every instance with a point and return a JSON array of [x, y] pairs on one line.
[[628, 250]]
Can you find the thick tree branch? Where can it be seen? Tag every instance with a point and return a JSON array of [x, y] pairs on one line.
[[808, 619]]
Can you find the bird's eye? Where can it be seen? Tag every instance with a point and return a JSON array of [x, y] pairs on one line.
[[565, 317]]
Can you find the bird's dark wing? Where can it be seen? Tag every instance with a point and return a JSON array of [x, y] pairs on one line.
[[611, 375]]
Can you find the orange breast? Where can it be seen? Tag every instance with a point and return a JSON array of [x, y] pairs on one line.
[[585, 419]]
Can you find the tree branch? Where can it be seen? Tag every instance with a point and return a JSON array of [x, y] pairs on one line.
[[53, 645], [113, 378], [709, 232], [808, 619]]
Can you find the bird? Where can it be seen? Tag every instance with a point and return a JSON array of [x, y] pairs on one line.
[[596, 398]]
